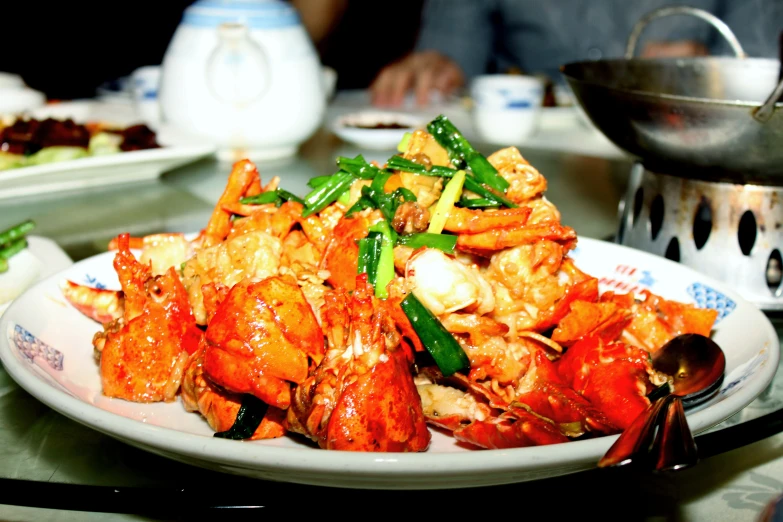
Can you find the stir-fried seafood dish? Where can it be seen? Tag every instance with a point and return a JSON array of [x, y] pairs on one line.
[[435, 290]]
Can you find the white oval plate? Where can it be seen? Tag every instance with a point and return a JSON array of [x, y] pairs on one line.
[[46, 347], [375, 139]]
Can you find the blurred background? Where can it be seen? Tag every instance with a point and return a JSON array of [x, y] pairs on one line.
[[75, 48]]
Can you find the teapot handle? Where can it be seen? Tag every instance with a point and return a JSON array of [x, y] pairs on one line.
[[238, 69]]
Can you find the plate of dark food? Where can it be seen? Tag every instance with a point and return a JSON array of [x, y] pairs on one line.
[[40, 155], [377, 130]]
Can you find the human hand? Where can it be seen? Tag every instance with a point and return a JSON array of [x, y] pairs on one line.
[[421, 71], [679, 48]]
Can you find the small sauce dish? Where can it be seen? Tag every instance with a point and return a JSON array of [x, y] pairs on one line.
[[377, 130]]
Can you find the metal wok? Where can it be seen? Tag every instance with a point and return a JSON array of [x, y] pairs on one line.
[[702, 117]]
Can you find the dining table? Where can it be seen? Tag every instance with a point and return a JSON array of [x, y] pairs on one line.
[[56, 469]]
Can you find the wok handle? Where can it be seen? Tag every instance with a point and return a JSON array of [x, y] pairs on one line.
[[717, 23], [764, 113]]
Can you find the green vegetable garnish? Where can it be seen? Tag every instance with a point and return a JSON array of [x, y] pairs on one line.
[[402, 146], [463, 154], [249, 417], [450, 195], [445, 350], [445, 242], [369, 255], [384, 271], [55, 154], [16, 231], [327, 193], [12, 248], [105, 143]]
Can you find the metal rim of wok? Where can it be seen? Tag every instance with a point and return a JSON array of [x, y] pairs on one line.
[[738, 141]]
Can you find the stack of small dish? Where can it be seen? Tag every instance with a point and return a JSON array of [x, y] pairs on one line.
[[16, 97]]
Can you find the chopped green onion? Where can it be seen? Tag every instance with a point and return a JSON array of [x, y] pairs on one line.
[[249, 417], [387, 203], [345, 197], [369, 255], [384, 272], [474, 186], [361, 204], [478, 202], [359, 167], [463, 154], [402, 146], [384, 228], [327, 193], [471, 183], [261, 199], [13, 248], [380, 180], [318, 181], [406, 165], [444, 242], [276, 196], [16, 231], [288, 196], [445, 350], [450, 195]]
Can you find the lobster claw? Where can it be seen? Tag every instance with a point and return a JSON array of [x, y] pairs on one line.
[[143, 357], [373, 413], [551, 398], [613, 377], [514, 428], [362, 396], [261, 339]]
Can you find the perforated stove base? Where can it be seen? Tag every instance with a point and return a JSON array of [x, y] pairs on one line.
[[727, 231]]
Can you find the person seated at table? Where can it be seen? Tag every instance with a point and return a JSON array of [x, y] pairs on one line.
[[460, 39], [357, 38]]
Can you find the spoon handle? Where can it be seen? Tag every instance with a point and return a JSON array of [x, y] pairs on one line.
[[674, 447], [637, 439]]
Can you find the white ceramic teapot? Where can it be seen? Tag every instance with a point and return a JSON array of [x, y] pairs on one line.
[[244, 75]]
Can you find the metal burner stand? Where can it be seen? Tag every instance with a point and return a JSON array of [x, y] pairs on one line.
[[731, 232]]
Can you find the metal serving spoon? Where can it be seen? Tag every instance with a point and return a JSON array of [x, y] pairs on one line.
[[660, 437]]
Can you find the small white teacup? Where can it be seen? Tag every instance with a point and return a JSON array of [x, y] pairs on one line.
[[506, 107], [145, 83]]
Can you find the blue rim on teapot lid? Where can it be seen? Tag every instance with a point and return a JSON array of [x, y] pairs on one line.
[[256, 14]]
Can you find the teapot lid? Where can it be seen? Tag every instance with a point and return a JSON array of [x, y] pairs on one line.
[[255, 14]]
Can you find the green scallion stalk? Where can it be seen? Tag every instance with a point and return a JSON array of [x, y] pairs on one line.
[[361, 204], [385, 271], [445, 350], [249, 417], [406, 165], [261, 199], [16, 231], [358, 166], [463, 155], [474, 186], [445, 242], [318, 181], [478, 203], [288, 196], [13, 248], [327, 193], [369, 256]]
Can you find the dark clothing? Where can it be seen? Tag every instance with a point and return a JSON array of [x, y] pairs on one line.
[[537, 36]]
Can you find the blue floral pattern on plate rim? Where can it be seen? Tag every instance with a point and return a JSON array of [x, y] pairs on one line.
[[31, 347]]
